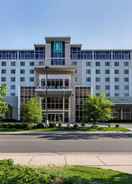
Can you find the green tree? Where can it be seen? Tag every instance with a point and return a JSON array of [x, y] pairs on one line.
[[3, 104], [96, 108], [32, 112]]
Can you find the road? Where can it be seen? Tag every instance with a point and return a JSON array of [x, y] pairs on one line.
[[69, 142]]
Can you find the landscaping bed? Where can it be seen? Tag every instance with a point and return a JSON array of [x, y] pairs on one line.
[[15, 174]]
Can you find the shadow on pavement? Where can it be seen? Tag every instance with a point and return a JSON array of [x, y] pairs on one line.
[[78, 136]]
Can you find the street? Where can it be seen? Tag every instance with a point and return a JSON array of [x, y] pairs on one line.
[[65, 142]]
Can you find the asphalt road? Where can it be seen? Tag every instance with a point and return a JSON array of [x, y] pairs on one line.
[[70, 142]]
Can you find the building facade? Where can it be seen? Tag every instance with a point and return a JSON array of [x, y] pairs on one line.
[[62, 74]]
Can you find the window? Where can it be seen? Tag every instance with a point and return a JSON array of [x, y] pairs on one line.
[[31, 79], [31, 71], [107, 79], [126, 63], [107, 71], [88, 79], [22, 71], [97, 71], [116, 71], [12, 86], [126, 94], [74, 63], [116, 94], [107, 63], [3, 63], [22, 79], [88, 63], [120, 54], [97, 87], [116, 64], [12, 94], [97, 79], [102, 54], [107, 87], [116, 87], [22, 63], [97, 63], [88, 71], [13, 63], [116, 79], [13, 71], [31, 63], [13, 79], [126, 71], [97, 94], [107, 94], [126, 87], [3, 71], [3, 79], [126, 79]]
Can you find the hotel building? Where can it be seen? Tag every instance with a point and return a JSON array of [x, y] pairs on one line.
[[66, 74]]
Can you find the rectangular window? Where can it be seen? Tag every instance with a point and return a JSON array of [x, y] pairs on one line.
[[126, 71], [116, 87], [116, 79], [116, 71], [22, 63], [126, 79], [88, 79], [22, 71], [31, 71], [3, 71], [88, 63], [107, 79], [88, 71], [13, 71], [31, 79], [107, 63], [97, 63], [97, 71], [13, 79], [3, 79], [3, 63], [107, 71], [22, 79], [126, 87], [31, 63], [116, 64], [97, 87], [13, 63], [12, 86], [126, 63], [97, 79], [107, 87]]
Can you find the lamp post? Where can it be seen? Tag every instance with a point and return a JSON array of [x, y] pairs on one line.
[[46, 93]]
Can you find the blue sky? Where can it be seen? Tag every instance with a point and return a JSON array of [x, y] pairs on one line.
[[94, 23]]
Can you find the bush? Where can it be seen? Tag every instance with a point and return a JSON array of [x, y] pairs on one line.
[[75, 126], [117, 126], [52, 125]]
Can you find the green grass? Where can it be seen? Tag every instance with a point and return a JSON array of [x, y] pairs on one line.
[[86, 129], [15, 174]]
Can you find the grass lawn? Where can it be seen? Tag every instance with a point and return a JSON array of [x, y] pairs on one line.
[[86, 129], [15, 174]]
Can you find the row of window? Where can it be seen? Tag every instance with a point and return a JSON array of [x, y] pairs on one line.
[[13, 71], [39, 53], [99, 55], [126, 71], [107, 79], [117, 63], [116, 87], [116, 94], [13, 79], [13, 63]]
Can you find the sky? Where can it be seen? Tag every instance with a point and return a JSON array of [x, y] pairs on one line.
[[93, 23]]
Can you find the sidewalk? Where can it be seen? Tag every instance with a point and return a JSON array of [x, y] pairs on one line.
[[116, 161]]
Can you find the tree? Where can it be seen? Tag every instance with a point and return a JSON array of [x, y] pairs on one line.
[[97, 108], [32, 111], [3, 104]]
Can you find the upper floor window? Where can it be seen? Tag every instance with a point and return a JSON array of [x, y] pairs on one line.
[[88, 63], [88, 79], [116, 63], [126, 71], [88, 71], [97, 79], [107, 79], [120, 54], [3, 71], [31, 71], [13, 63], [107, 71], [107, 63], [126, 63], [3, 79], [13, 79], [116, 71], [22, 71], [102, 55], [97, 63], [13, 71], [22, 63], [3, 63], [97, 71], [31, 63]]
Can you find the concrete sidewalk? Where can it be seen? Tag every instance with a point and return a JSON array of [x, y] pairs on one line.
[[116, 161]]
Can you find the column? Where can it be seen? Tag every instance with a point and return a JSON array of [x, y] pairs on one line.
[[121, 113]]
